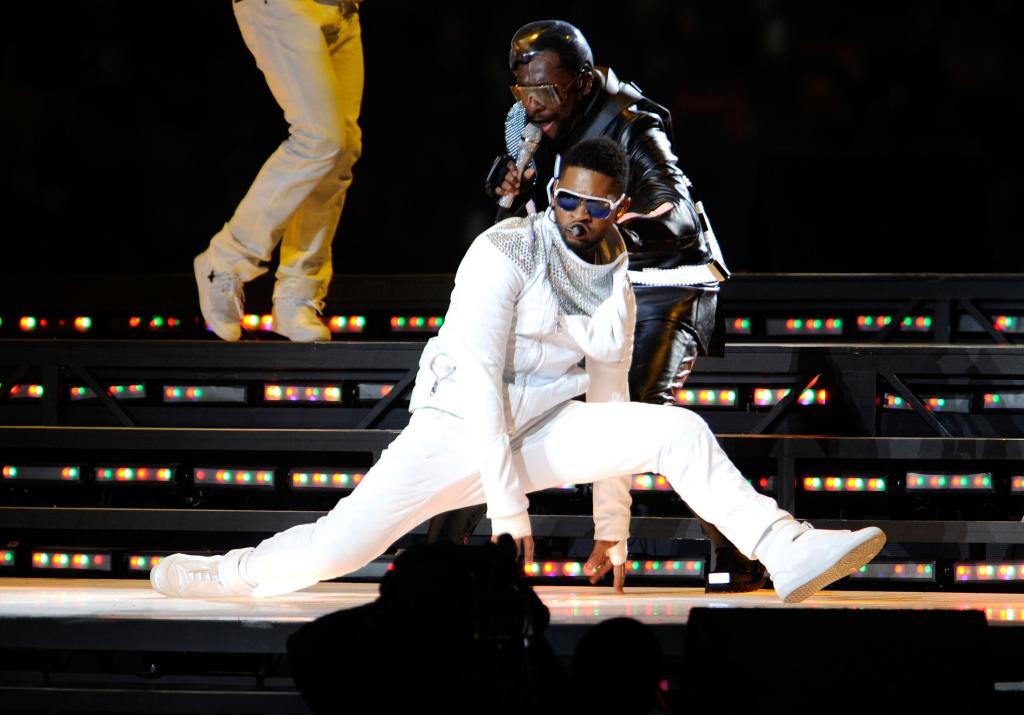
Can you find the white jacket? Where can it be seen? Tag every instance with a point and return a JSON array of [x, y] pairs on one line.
[[507, 353]]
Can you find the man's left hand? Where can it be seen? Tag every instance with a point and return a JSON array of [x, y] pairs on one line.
[[598, 564]]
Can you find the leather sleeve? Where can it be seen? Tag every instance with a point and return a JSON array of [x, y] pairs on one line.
[[671, 238]]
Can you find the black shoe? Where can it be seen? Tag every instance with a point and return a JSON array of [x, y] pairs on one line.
[[732, 572]]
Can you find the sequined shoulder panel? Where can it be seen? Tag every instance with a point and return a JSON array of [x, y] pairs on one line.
[[514, 238]]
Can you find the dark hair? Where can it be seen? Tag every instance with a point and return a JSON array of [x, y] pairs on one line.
[[603, 156], [558, 36]]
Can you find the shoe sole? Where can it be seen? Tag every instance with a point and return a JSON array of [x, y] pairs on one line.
[[207, 309], [847, 564]]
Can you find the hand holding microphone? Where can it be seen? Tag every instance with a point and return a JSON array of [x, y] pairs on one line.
[[529, 141]]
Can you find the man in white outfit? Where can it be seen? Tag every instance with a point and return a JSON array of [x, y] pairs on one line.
[[311, 54], [494, 418]]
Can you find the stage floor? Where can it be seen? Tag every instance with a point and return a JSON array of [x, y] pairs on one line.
[[114, 600]]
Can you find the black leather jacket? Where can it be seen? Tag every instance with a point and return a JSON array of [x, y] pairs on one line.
[[643, 128]]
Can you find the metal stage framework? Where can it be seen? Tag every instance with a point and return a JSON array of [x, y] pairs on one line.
[[117, 451], [936, 308], [256, 437]]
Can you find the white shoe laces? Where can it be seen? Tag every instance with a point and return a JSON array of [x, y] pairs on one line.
[[203, 575], [229, 285]]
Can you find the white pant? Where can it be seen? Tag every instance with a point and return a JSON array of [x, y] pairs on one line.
[[431, 468], [312, 58]]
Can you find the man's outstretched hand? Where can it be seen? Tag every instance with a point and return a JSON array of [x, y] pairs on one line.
[[598, 564], [524, 547]]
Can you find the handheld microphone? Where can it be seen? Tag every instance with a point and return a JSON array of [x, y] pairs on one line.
[[528, 143]]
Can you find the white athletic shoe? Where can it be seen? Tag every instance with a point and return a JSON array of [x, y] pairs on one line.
[[186, 576], [220, 298], [803, 560], [297, 320]]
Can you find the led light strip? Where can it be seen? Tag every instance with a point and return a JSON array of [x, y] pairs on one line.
[[650, 483], [767, 397], [670, 567], [714, 397], [134, 474], [42, 473], [234, 477], [415, 323], [1017, 484], [988, 572], [26, 392], [143, 562], [325, 479], [118, 392], [897, 571], [826, 483], [739, 326], [346, 323], [302, 393], [203, 393], [6, 557], [981, 482], [71, 560]]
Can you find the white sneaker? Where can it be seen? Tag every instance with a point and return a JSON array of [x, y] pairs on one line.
[[297, 320], [220, 298], [186, 576], [803, 560]]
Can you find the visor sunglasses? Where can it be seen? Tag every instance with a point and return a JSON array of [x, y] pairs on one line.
[[549, 96], [597, 207]]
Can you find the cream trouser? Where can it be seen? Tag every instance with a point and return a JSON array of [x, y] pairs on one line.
[[312, 58], [431, 468]]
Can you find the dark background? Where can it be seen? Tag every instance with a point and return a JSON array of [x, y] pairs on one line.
[[834, 137]]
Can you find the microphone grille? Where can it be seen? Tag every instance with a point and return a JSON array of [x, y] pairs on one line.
[[515, 122]]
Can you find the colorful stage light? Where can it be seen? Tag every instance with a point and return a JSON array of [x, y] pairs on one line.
[[264, 323], [954, 404], [1017, 484], [301, 393], [650, 483], [738, 326], [118, 392], [763, 484], [258, 478], [1003, 401], [554, 569], [36, 473], [416, 323], [6, 557], [346, 323], [26, 392], [325, 478], [135, 474], [669, 567], [71, 560], [897, 571], [1010, 324], [804, 326], [154, 323], [988, 571], [373, 390], [143, 562], [981, 482], [766, 396], [204, 393], [83, 324], [29, 323], [844, 483], [709, 397], [872, 323]]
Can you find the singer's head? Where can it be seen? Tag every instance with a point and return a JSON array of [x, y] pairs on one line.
[[554, 74], [590, 195]]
